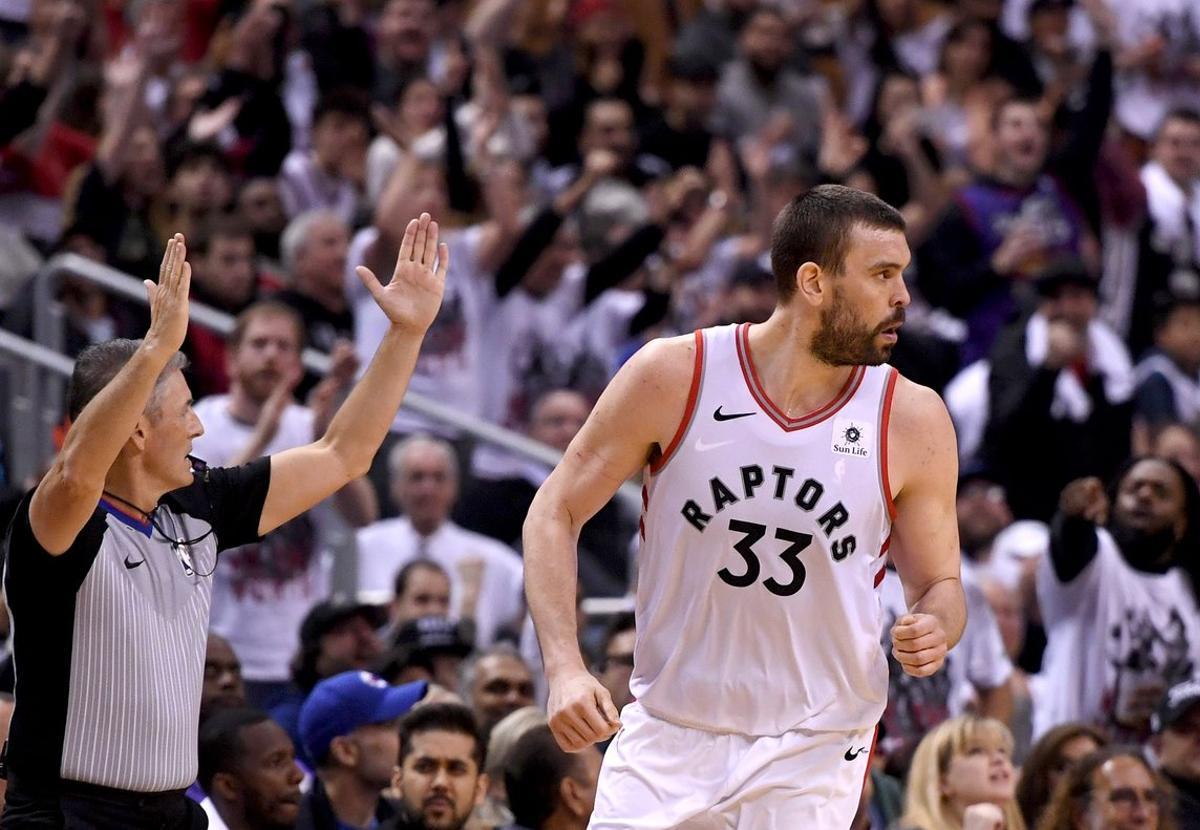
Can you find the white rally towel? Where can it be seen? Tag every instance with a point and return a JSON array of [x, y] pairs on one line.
[[1107, 356]]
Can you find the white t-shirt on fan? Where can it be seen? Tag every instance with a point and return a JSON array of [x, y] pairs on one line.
[[1114, 635], [262, 592]]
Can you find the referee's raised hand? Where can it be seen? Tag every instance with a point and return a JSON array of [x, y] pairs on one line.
[[412, 297], [169, 299]]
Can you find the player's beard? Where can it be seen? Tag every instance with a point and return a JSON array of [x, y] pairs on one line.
[[843, 339]]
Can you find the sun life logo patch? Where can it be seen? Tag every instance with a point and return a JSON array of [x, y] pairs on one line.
[[851, 437]]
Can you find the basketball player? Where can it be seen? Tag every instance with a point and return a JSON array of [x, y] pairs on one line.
[[784, 462]]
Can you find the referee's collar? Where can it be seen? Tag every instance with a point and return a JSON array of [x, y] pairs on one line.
[[125, 517]]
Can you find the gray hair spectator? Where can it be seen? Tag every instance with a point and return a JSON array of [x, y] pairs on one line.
[[485, 576], [313, 247]]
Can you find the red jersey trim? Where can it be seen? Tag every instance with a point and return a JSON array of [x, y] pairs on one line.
[[754, 384], [883, 549], [689, 411], [884, 421]]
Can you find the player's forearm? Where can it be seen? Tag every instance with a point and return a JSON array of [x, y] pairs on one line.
[[551, 575], [363, 420], [944, 599], [105, 424]]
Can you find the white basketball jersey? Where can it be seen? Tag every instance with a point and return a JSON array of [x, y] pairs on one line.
[[763, 542]]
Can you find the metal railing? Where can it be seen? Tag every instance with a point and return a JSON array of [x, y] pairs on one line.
[[36, 377], [38, 369]]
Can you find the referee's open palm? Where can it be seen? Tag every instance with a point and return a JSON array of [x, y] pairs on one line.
[[169, 298], [412, 298]]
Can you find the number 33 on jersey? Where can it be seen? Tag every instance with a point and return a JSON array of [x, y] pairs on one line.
[[763, 540]]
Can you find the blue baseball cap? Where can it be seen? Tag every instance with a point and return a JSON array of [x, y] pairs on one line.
[[340, 704]]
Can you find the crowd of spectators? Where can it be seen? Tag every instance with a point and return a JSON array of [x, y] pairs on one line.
[[606, 172]]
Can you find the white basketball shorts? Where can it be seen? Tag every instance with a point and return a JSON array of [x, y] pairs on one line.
[[658, 775]]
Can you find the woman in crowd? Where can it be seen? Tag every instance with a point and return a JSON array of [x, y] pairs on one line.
[[965, 761], [1049, 760]]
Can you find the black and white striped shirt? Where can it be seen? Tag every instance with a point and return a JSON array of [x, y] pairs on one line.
[[109, 637]]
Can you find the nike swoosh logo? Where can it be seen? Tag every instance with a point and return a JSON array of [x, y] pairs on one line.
[[703, 446], [131, 565], [852, 754], [718, 415]]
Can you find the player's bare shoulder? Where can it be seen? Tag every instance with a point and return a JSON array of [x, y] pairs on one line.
[[921, 436], [647, 399], [666, 365]]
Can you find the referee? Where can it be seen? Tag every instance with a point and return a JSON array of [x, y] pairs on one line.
[[107, 561]]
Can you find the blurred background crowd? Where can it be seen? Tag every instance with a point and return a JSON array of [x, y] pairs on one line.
[[606, 172]]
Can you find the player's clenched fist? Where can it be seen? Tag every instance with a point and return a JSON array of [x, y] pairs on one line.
[[581, 712], [919, 644]]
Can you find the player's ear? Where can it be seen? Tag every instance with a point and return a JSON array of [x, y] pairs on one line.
[[812, 285]]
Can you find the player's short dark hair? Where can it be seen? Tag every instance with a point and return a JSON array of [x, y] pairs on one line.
[[264, 308], [442, 717], [405, 574], [533, 774], [98, 364], [221, 746], [815, 227]]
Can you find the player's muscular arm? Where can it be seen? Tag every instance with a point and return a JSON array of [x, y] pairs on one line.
[[639, 411], [923, 470]]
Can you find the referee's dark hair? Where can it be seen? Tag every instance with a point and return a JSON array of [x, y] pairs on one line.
[[815, 227], [441, 717], [533, 775], [97, 365], [221, 742]]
